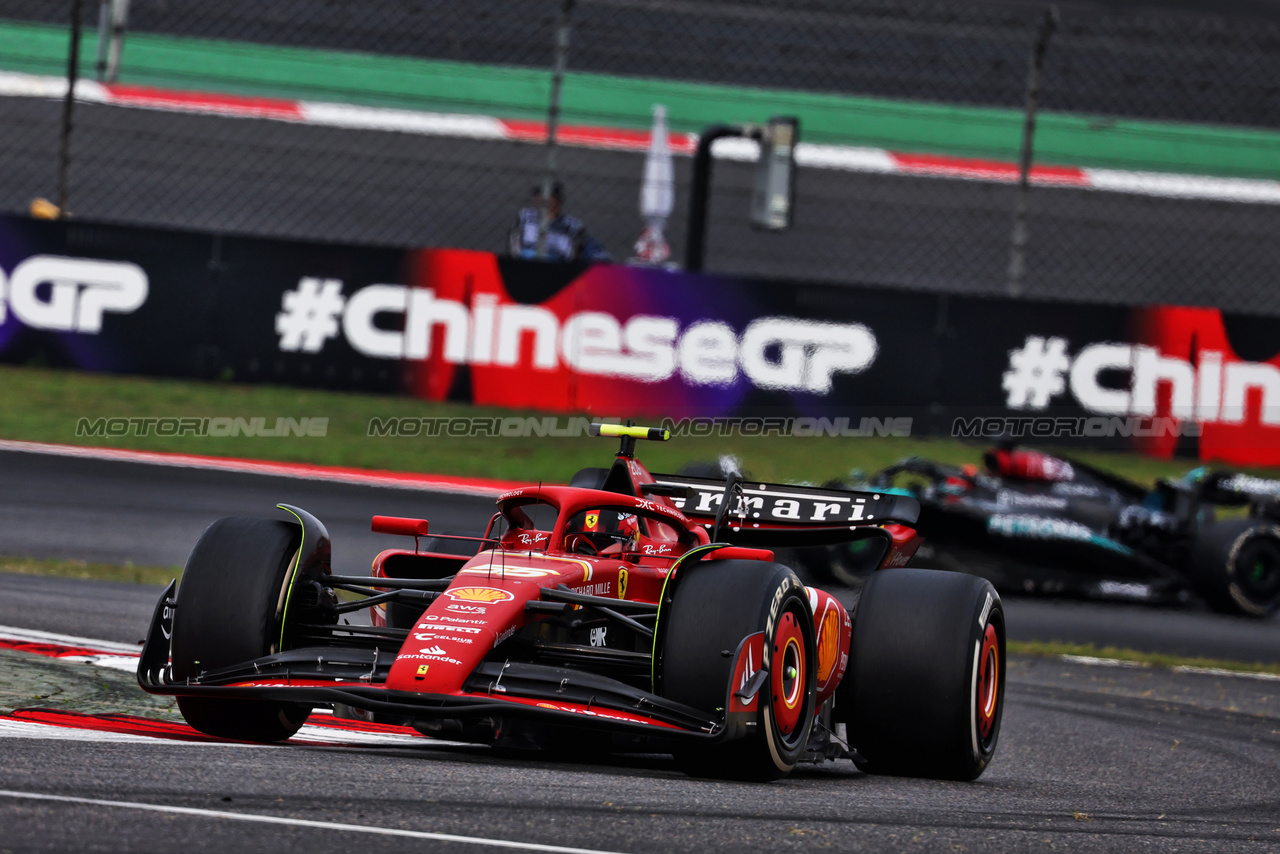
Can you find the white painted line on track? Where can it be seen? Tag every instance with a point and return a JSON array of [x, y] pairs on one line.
[[1218, 671], [298, 822], [311, 735], [1094, 661], [1102, 662], [35, 636], [405, 121], [1172, 186], [122, 663], [50, 732], [109, 654]]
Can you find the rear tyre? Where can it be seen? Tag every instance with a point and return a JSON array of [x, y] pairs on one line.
[[712, 609], [227, 613], [1235, 566], [924, 692]]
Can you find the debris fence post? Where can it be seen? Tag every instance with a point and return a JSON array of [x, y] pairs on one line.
[[1018, 239], [68, 105], [564, 26]]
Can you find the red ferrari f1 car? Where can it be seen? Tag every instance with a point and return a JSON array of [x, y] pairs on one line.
[[637, 612]]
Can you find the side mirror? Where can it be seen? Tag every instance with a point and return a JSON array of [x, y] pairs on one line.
[[496, 528]]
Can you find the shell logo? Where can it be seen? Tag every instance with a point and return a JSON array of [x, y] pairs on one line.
[[487, 595], [828, 645]]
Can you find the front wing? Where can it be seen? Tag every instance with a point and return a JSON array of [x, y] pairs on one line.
[[508, 690]]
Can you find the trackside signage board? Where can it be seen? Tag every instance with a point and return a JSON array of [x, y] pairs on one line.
[[617, 340]]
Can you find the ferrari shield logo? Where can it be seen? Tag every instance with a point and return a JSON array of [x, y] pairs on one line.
[[622, 584], [593, 519]]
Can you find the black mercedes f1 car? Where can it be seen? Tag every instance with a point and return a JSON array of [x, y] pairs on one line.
[[1032, 522]]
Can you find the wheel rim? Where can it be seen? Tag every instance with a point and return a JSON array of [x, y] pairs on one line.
[[987, 695], [789, 674], [1258, 570]]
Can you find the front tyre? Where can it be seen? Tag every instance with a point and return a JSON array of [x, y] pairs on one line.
[[924, 692], [1235, 566], [709, 613], [228, 610]]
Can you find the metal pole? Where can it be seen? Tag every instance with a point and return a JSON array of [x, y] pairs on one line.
[[73, 72], [1018, 240], [119, 18], [104, 40], [563, 28], [698, 195]]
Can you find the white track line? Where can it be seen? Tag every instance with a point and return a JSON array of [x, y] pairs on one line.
[[34, 636], [298, 822], [127, 661], [1203, 187], [1094, 661], [125, 657], [1217, 671], [52, 732], [310, 736], [815, 156], [404, 121]]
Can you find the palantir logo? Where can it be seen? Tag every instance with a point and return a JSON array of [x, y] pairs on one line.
[[71, 294]]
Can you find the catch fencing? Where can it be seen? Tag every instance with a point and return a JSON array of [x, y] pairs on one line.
[[983, 148]]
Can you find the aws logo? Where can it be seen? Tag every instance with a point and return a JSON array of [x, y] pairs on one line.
[[70, 294]]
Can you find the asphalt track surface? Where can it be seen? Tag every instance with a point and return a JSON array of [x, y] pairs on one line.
[[1091, 759], [117, 512], [277, 179]]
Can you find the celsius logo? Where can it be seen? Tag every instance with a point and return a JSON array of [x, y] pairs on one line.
[[71, 294], [1124, 379], [399, 322]]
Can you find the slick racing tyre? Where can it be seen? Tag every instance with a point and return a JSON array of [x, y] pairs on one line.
[[924, 692], [226, 614], [1235, 566], [710, 611]]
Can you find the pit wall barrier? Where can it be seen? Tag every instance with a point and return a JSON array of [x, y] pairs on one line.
[[615, 340]]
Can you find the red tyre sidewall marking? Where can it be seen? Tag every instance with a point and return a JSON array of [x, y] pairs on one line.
[[788, 642], [987, 696]]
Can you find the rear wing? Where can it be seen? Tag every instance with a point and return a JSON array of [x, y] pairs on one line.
[[781, 515]]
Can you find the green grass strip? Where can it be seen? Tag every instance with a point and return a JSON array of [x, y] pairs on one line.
[[1055, 649], [615, 101], [158, 575], [45, 405]]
